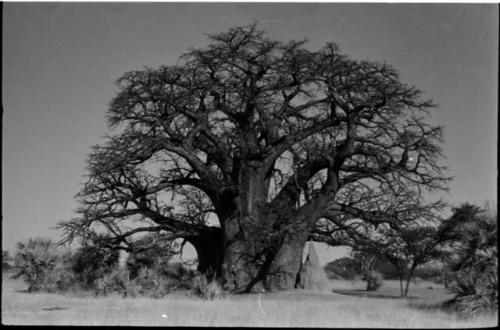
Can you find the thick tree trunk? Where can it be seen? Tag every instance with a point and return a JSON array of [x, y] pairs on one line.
[[262, 247], [264, 254], [249, 268], [285, 269], [244, 229], [209, 249]]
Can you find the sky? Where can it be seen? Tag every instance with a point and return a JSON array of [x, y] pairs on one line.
[[60, 62]]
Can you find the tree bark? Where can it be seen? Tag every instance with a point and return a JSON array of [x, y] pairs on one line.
[[407, 287], [401, 285], [285, 269], [262, 243], [209, 249], [244, 228], [410, 275]]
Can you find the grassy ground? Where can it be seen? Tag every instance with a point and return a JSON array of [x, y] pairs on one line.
[[349, 308]]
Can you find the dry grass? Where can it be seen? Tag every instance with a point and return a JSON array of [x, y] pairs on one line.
[[282, 309]]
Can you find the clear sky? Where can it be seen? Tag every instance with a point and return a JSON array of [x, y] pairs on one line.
[[60, 62]]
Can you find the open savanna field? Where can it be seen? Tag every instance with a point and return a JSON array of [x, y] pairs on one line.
[[348, 306]]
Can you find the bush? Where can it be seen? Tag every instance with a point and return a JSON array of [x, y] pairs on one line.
[[432, 271], [157, 281], [474, 261], [6, 261], [151, 283], [117, 280], [42, 266], [91, 262], [154, 251], [476, 292], [344, 268], [207, 290], [471, 305], [60, 278], [374, 280], [180, 274]]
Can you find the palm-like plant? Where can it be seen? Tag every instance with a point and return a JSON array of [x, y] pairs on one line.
[[474, 258]]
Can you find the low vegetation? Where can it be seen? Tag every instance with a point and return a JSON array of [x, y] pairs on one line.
[[42, 266], [462, 282], [296, 308], [91, 262], [206, 289], [45, 267], [6, 261], [473, 260]]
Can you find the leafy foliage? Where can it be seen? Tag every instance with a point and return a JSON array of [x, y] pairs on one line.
[[91, 262], [473, 260], [345, 268], [417, 239], [373, 279], [349, 268], [42, 266], [117, 280], [6, 261], [151, 251], [367, 262], [155, 282], [151, 283]]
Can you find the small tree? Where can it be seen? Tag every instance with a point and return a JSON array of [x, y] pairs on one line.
[[367, 262], [409, 248], [405, 246]]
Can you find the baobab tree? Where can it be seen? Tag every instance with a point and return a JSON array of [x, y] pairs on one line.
[[248, 146]]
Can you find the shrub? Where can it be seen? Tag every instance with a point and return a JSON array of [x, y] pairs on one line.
[[432, 271], [150, 283], [476, 292], [6, 261], [153, 251], [345, 268], [42, 266], [474, 260], [91, 262], [208, 290], [180, 274], [60, 278], [374, 280], [117, 280]]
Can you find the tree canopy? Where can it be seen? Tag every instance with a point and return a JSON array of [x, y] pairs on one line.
[[250, 146]]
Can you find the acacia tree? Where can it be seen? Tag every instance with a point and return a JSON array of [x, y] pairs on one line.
[[409, 249], [281, 144], [419, 237]]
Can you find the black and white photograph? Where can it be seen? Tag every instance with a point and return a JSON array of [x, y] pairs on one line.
[[250, 164]]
